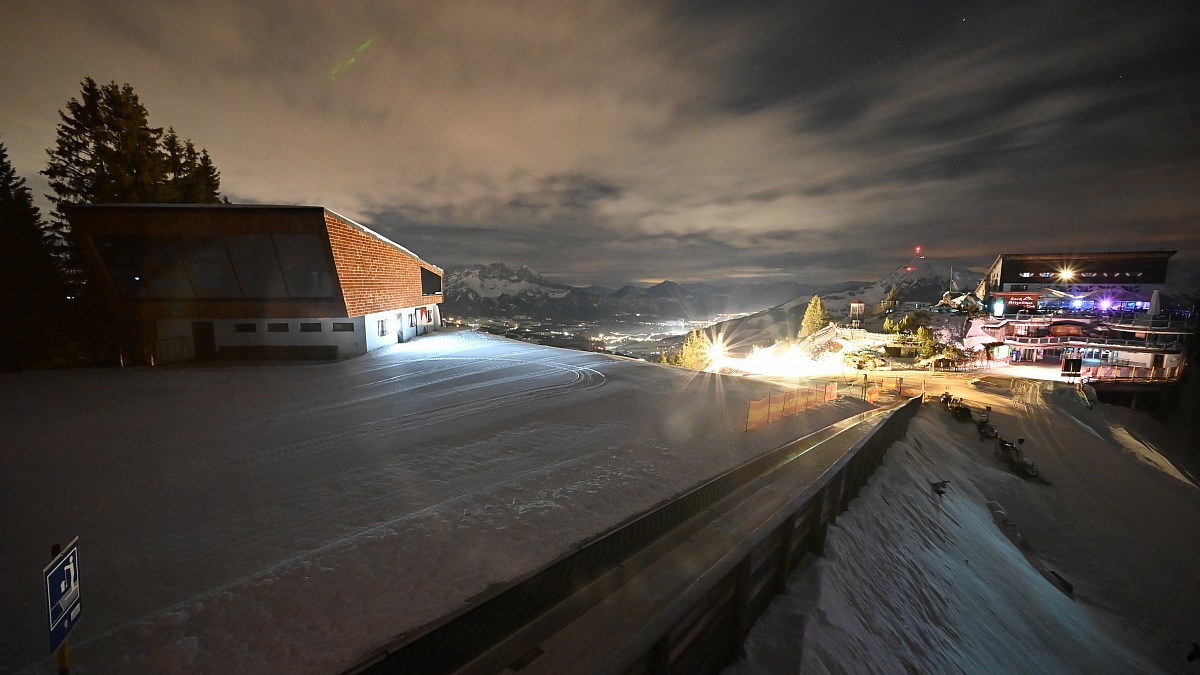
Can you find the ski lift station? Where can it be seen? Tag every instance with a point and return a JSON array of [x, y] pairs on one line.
[[208, 281]]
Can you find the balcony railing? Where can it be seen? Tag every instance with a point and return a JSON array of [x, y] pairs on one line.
[[1085, 341]]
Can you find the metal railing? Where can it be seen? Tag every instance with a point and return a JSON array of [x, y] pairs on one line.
[[1085, 341], [170, 350]]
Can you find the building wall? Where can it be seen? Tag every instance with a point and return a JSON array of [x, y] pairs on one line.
[[402, 325], [175, 333], [375, 276]]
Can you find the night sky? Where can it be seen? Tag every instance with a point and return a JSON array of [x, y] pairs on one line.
[[636, 141]]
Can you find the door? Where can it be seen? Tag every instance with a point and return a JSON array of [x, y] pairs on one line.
[[204, 340]]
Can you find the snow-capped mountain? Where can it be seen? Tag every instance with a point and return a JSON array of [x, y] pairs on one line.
[[498, 289], [919, 280]]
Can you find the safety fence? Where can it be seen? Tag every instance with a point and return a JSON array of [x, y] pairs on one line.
[[775, 407], [703, 625], [1130, 373]]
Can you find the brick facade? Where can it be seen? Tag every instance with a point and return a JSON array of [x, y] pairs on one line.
[[375, 275]]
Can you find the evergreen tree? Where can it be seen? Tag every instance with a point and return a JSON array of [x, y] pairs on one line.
[[190, 176], [928, 347], [106, 152], [815, 317], [904, 325], [31, 290], [893, 296], [694, 353]]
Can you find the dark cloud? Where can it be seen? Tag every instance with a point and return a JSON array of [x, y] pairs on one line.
[[634, 140]]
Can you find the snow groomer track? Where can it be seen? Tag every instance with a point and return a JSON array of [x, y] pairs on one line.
[[675, 589]]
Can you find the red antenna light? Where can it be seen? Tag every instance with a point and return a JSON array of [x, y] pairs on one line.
[[919, 252], [908, 269]]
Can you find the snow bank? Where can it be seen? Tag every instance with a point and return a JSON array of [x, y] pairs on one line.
[[916, 582]]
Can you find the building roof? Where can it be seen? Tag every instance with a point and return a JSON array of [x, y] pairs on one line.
[[1117, 267]]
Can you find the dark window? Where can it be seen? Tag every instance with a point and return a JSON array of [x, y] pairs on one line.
[[209, 267], [302, 259], [343, 328], [431, 282], [244, 328], [310, 328], [277, 328], [253, 257]]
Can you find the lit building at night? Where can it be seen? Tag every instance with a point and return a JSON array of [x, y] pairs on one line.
[[210, 281], [1096, 313], [1088, 282]]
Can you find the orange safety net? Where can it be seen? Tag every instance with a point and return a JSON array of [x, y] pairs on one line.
[[775, 407], [758, 413]]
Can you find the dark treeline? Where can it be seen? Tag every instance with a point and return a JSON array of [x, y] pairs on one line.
[[105, 152]]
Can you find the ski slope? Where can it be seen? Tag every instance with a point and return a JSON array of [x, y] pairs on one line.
[[290, 518]]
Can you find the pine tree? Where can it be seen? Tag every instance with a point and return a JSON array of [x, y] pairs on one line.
[[694, 353], [30, 283], [928, 347], [106, 152], [815, 317], [190, 177]]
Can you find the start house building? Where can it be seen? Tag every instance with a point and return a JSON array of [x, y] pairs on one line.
[[221, 280]]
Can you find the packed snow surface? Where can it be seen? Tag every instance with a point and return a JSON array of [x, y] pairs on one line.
[[293, 518]]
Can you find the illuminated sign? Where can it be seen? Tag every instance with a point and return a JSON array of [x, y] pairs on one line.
[[1020, 300]]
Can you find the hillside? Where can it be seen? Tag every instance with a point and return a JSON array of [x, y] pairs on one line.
[[501, 290], [920, 281]]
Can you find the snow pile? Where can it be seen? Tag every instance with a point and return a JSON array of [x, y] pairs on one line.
[[916, 582]]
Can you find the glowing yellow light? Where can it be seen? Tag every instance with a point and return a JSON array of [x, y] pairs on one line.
[[716, 352], [1067, 274]]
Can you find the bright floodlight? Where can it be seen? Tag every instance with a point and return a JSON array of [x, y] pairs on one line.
[[1067, 274], [716, 352]]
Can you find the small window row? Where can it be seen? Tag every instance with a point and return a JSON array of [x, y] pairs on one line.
[[305, 327]]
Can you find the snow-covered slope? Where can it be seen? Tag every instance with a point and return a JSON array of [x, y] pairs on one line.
[[916, 582], [921, 280]]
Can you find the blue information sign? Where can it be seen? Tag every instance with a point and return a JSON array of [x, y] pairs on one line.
[[62, 593]]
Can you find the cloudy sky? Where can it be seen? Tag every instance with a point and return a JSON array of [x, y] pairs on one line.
[[635, 140]]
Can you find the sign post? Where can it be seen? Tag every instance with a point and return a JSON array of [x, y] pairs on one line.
[[62, 598]]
